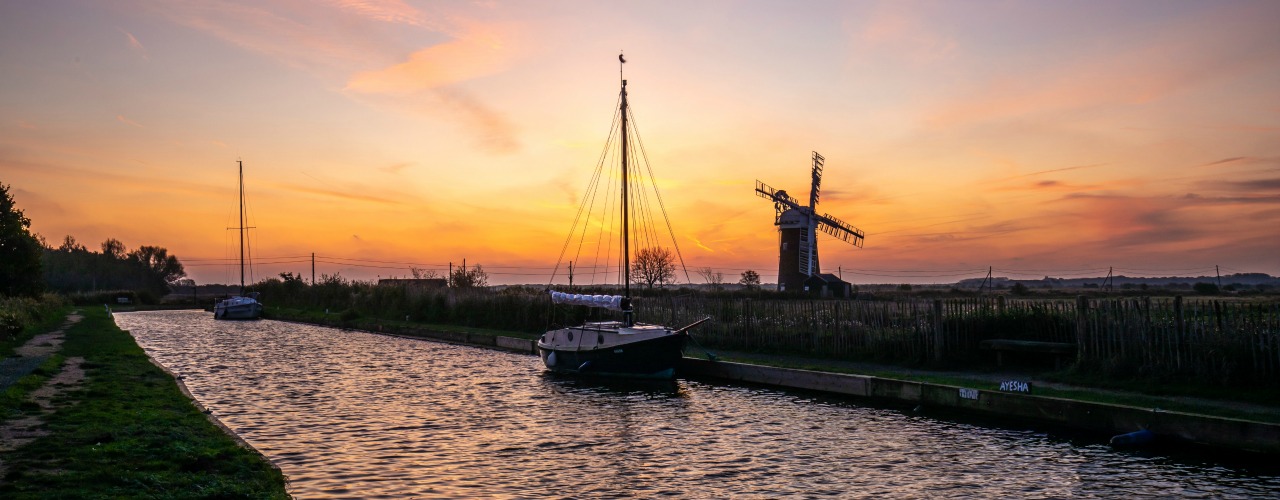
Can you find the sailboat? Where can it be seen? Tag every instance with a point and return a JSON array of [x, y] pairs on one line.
[[623, 348], [241, 306]]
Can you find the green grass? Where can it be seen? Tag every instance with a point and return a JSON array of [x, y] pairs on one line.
[[49, 320], [1089, 393], [128, 431]]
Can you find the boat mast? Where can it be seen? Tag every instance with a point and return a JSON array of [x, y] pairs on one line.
[[626, 242], [241, 228]]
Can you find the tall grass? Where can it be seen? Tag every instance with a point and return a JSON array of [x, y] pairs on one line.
[[1214, 341]]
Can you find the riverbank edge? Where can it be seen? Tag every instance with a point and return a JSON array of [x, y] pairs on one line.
[[1102, 419], [208, 414], [146, 440]]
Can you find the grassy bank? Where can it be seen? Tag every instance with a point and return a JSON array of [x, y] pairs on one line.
[[1249, 404], [128, 431], [22, 318]]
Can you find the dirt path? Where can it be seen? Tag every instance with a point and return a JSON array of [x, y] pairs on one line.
[[17, 432]]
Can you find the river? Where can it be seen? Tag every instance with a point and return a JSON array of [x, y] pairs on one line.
[[357, 415]]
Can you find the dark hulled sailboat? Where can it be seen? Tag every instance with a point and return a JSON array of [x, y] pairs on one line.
[[618, 348]]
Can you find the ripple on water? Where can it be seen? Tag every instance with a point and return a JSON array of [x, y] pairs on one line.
[[349, 414]]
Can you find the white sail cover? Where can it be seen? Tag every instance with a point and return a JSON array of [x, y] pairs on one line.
[[611, 302]]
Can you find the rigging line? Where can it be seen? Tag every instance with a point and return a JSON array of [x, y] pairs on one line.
[[662, 205], [590, 189], [594, 186]]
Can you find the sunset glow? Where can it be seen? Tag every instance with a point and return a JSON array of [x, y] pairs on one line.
[[1035, 138]]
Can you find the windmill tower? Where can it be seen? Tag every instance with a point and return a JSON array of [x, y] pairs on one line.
[[797, 230]]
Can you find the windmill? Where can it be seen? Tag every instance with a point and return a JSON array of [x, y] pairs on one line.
[[797, 228]]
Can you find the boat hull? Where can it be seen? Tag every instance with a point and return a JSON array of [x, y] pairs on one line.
[[650, 358], [238, 308]]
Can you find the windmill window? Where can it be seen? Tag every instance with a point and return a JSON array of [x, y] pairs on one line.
[[784, 245]]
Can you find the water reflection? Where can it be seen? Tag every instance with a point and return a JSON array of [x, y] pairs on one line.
[[348, 414]]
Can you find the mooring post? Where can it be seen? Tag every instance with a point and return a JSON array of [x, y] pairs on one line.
[[1082, 325], [1180, 327], [939, 341]]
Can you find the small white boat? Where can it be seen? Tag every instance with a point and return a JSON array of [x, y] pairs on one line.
[[246, 307], [242, 306]]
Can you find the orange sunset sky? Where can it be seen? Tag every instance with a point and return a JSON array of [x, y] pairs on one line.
[[1038, 138]]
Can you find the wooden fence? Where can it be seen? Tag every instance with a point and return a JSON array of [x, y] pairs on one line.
[[1222, 341]]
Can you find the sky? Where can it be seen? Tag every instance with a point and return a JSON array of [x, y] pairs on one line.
[[1033, 139]]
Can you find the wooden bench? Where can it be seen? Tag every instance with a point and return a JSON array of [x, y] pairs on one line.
[[1059, 350]]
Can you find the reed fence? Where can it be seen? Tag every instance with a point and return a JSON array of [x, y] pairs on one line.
[[1216, 340]]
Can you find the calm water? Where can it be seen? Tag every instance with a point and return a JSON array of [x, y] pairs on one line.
[[348, 414]]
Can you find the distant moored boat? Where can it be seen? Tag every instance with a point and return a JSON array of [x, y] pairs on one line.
[[242, 306]]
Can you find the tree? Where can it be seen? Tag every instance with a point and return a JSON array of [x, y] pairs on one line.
[[469, 278], [113, 248], [750, 279], [159, 262], [653, 266], [69, 244], [713, 277], [425, 274], [20, 252]]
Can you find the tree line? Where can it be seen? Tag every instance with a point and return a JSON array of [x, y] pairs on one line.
[[29, 266]]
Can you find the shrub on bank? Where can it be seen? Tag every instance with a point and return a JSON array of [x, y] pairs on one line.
[[19, 313]]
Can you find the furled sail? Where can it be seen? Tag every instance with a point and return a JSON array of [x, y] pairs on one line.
[[610, 302]]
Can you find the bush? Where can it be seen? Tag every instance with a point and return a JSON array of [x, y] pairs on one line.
[[1203, 288]]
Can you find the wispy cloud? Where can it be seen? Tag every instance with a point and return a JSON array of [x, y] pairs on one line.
[[126, 121], [1139, 74], [345, 195], [136, 45], [893, 28], [436, 66], [390, 11], [396, 168]]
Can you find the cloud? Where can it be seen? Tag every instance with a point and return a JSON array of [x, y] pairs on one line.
[[893, 28], [475, 55], [345, 195], [1233, 159], [136, 45], [491, 128], [388, 11], [126, 121], [1179, 56], [396, 168], [1272, 184]]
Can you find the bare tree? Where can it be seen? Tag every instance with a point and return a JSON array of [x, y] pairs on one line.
[[713, 277], [750, 279], [425, 274], [654, 266]]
